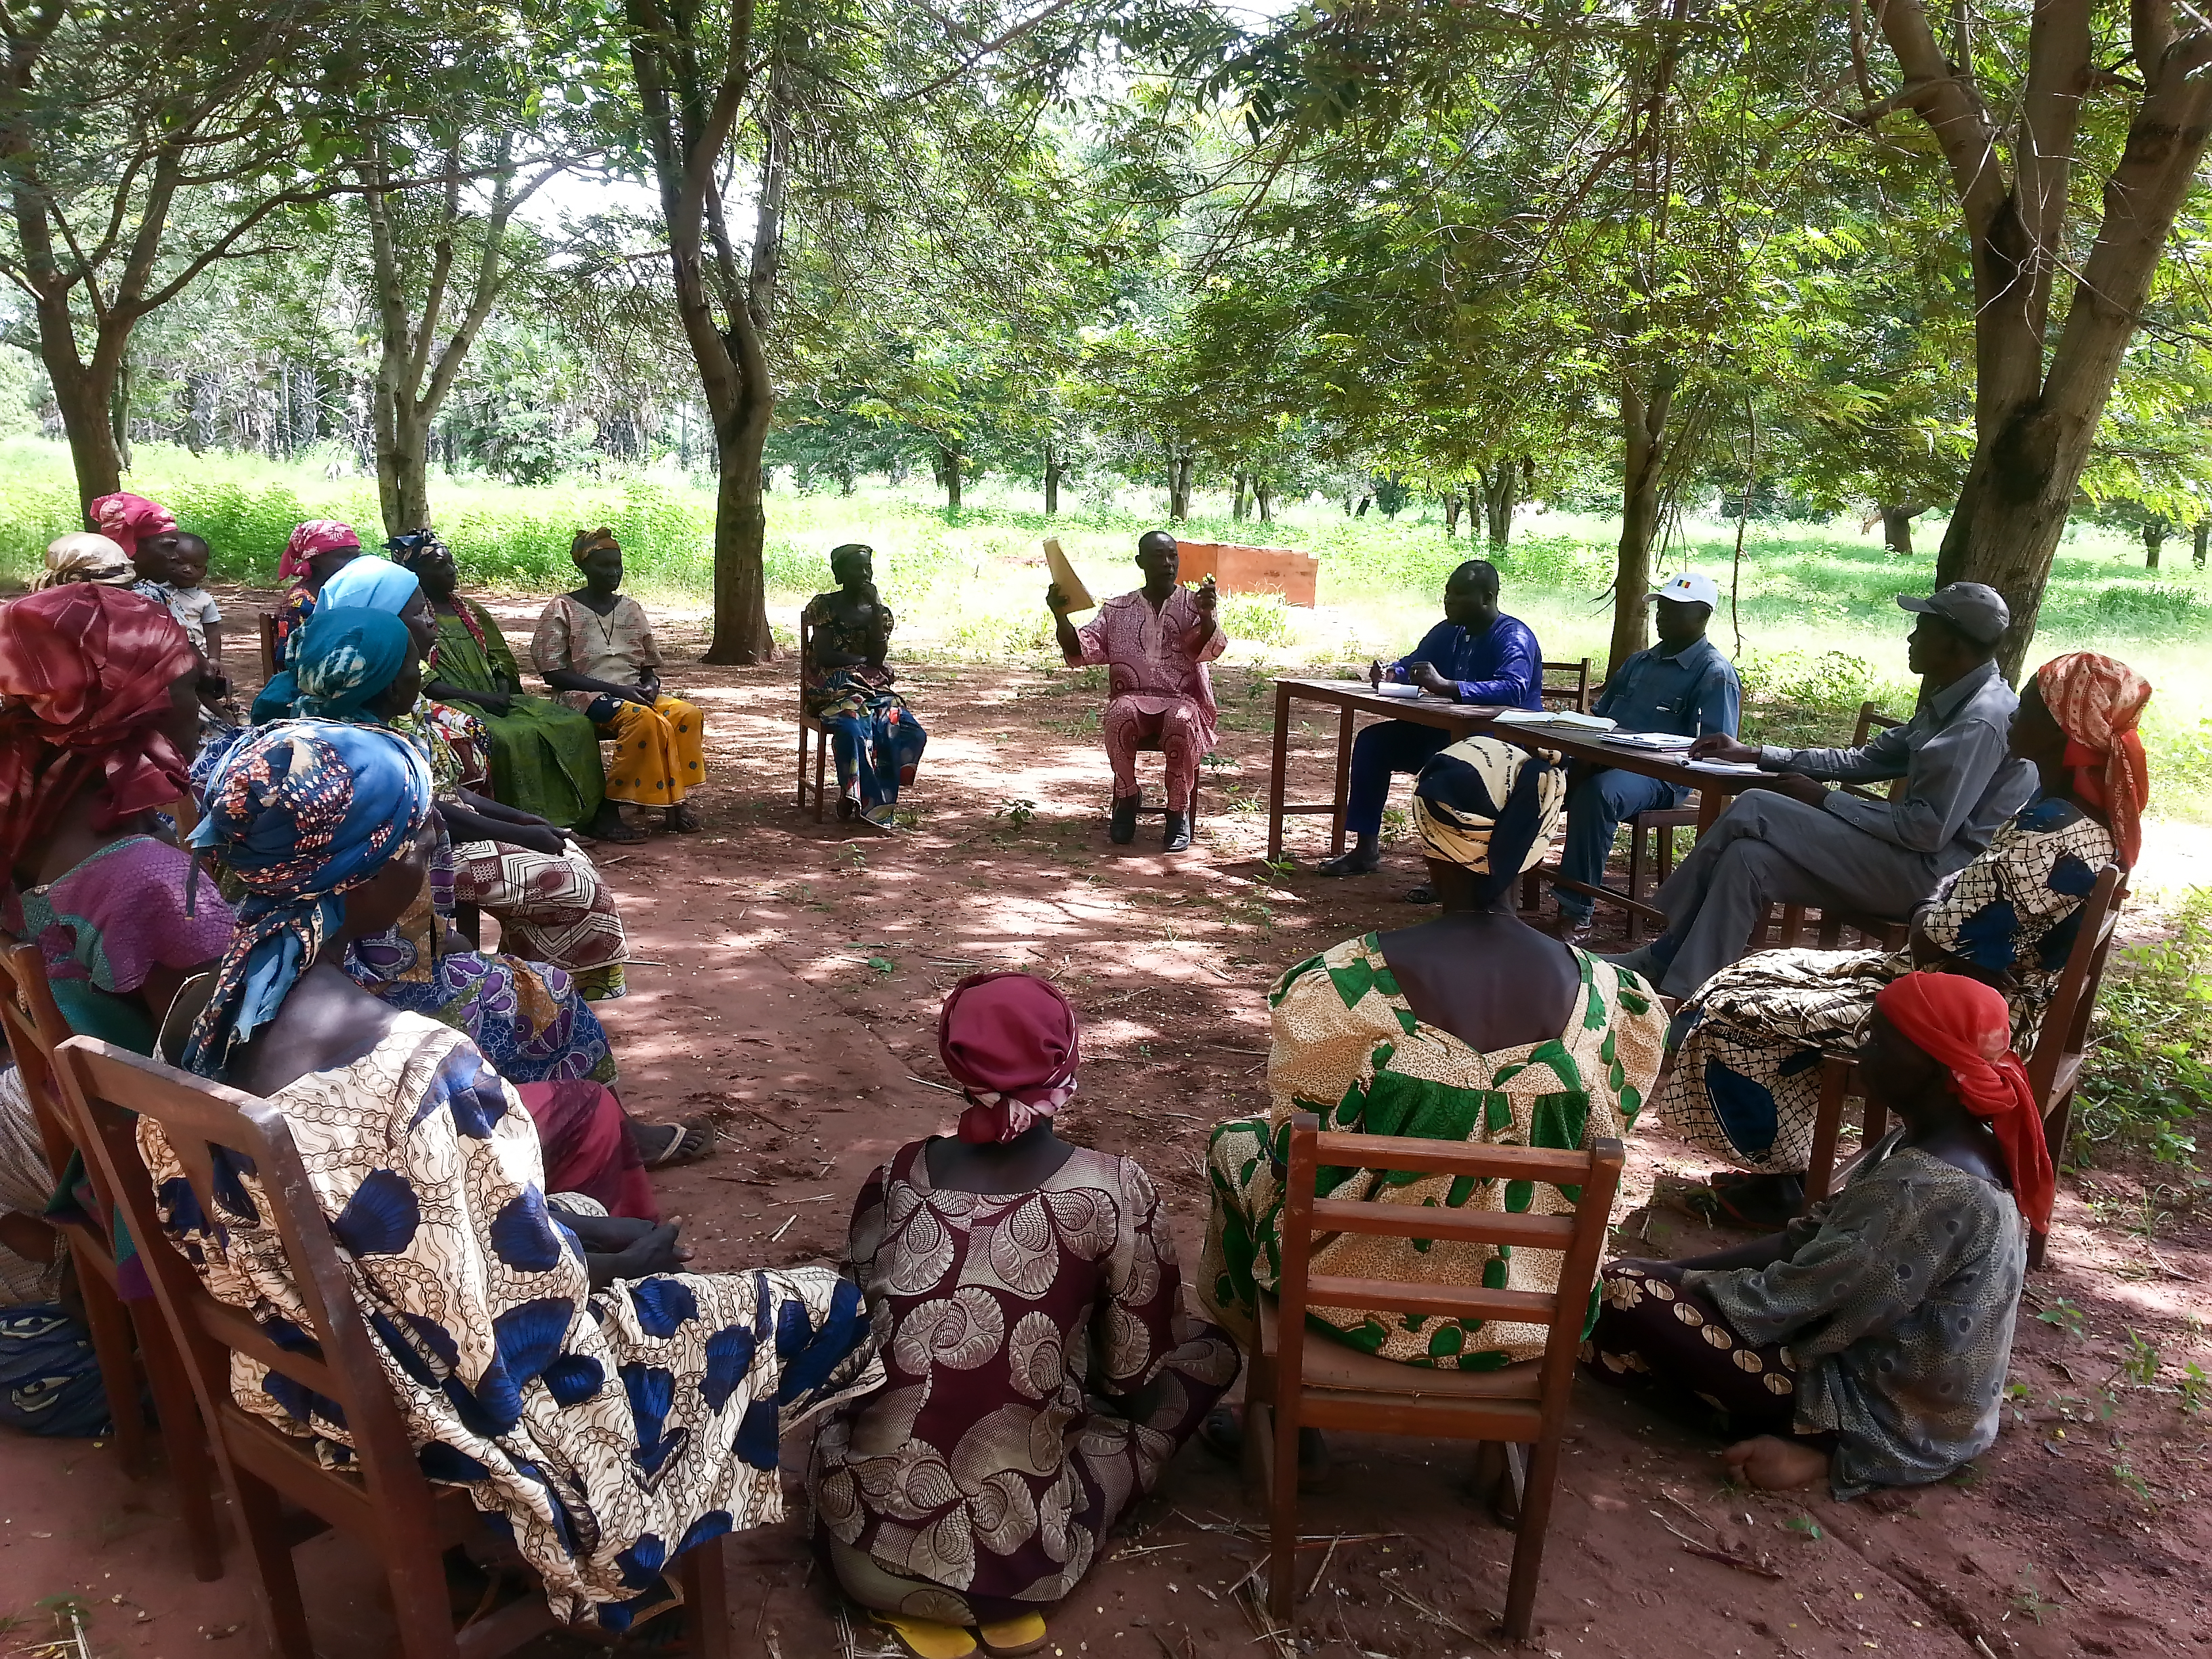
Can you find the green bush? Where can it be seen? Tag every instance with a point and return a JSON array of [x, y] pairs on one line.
[[2149, 606], [1256, 619], [2148, 1072]]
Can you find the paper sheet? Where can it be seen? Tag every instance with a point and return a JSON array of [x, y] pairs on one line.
[[1064, 577]]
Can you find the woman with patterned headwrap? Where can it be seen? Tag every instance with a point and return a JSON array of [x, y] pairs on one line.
[[317, 550], [609, 1409], [98, 711], [595, 647], [85, 555], [1471, 1027], [544, 755], [543, 887], [1869, 1342], [1745, 1085], [1041, 1371]]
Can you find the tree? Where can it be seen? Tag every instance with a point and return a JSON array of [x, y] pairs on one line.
[[2038, 400]]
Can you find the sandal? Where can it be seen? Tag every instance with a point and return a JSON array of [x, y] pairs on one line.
[[925, 1639], [1024, 1633], [1759, 1200], [673, 1154]]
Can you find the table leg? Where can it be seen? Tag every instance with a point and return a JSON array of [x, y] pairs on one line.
[[1275, 772], [1343, 780], [1712, 803]]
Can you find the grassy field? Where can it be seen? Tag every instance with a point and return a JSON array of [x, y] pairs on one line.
[[1819, 628]]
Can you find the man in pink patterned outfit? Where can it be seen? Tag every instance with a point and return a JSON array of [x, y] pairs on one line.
[[1155, 643]]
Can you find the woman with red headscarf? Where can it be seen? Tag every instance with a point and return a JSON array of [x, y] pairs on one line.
[[1868, 1342], [99, 709], [1745, 1080], [317, 552], [1035, 1345]]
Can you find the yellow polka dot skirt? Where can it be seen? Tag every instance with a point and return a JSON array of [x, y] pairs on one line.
[[659, 754]]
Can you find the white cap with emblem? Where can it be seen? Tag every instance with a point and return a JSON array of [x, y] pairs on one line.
[[1691, 588]]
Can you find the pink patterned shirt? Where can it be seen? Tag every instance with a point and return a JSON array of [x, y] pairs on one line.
[[1149, 656]]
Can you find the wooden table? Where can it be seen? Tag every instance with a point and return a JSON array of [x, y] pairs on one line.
[[1352, 698]]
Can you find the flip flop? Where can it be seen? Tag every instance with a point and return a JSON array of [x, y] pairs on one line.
[[925, 1639], [1009, 1637], [675, 1153]]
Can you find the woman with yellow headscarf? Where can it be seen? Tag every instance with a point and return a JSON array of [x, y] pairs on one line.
[[1472, 1026], [594, 647]]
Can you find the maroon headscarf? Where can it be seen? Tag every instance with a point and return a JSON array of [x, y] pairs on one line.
[[85, 673], [123, 518], [1010, 1042]]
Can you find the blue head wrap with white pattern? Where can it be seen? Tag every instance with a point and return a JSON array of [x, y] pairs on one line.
[[301, 812], [373, 584], [345, 659]]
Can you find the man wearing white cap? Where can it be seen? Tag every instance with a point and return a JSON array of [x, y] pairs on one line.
[[1681, 685], [1792, 839]]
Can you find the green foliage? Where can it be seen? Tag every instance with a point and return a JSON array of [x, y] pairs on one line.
[[2149, 1068]]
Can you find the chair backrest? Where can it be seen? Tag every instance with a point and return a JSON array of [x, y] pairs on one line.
[[2064, 1033], [35, 1028], [1567, 685], [1872, 719], [110, 1090], [805, 655], [268, 620], [1592, 1176]]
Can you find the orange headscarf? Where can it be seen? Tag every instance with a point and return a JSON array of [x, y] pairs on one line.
[[2097, 702], [1966, 1026]]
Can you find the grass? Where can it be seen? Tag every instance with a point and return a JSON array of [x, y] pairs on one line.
[[1820, 631]]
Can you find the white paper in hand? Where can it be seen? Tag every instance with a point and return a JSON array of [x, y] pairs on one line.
[[1072, 589]]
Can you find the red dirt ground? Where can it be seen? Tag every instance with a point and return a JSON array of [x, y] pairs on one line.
[[788, 984]]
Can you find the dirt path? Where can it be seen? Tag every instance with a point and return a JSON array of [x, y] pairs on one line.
[[789, 981]]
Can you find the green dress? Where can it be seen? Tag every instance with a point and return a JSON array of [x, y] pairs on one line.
[[1348, 1048], [544, 755]]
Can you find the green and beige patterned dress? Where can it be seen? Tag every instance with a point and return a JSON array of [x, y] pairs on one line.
[[1348, 1048]]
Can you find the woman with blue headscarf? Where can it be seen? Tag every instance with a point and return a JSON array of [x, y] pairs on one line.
[[541, 886], [613, 1410], [1472, 1026]]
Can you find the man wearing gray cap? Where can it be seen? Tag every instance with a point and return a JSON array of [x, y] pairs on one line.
[[1792, 839]]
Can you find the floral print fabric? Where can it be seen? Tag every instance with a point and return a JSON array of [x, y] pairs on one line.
[[983, 1477], [609, 1431], [1349, 1049], [1746, 1083]]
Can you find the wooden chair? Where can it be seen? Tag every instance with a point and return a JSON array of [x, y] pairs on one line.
[[1879, 933], [1295, 1383], [35, 1028], [1655, 826], [1567, 685], [268, 625], [1146, 809], [2054, 1065], [383, 1501], [808, 723]]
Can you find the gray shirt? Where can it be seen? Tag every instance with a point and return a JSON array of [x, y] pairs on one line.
[[1958, 786], [1896, 1300]]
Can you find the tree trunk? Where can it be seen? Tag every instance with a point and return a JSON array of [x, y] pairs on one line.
[[1897, 529], [2203, 535], [1052, 470], [84, 396], [1643, 434], [1181, 464], [118, 412], [1451, 514], [2153, 539], [948, 474], [1365, 502], [1236, 501], [1501, 493], [1263, 497]]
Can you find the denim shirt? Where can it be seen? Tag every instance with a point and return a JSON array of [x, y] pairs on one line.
[[1690, 694]]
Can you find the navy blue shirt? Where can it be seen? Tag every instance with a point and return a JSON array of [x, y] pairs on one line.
[[1503, 665], [1690, 694]]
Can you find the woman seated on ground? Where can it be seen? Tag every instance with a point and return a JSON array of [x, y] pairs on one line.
[[1471, 1027], [594, 646], [1746, 1081], [1041, 1371], [873, 734], [526, 1016], [535, 1329], [85, 555], [317, 550], [542, 886], [1869, 1342], [98, 710], [544, 755]]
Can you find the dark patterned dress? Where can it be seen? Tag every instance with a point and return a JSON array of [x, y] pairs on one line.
[[1009, 1435], [1746, 1083], [606, 1431]]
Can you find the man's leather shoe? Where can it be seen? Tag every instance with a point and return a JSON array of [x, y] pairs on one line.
[[1572, 930], [1177, 838], [1124, 829]]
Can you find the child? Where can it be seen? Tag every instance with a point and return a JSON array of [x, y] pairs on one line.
[[190, 603]]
